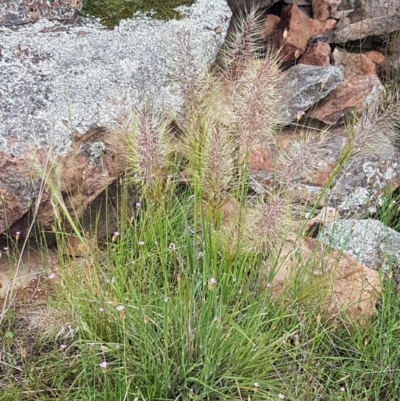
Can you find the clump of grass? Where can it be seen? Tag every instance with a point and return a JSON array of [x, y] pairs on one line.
[[176, 303], [389, 212]]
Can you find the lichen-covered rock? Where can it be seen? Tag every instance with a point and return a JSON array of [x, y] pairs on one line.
[[360, 185], [306, 85], [369, 241], [20, 12], [65, 88]]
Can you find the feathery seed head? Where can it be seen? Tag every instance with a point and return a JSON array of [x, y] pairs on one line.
[[268, 223], [147, 148], [185, 74], [376, 130], [257, 103], [242, 45], [300, 159], [217, 165]]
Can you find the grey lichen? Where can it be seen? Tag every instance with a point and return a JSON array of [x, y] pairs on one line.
[[93, 151]]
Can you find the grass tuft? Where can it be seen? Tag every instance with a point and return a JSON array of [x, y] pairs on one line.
[[180, 303]]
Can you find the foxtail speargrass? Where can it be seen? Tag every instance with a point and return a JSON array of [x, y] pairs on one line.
[[148, 149], [174, 305]]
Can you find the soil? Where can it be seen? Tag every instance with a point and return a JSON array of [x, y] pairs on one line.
[[28, 283]]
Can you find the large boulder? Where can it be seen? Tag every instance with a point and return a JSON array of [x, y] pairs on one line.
[[20, 12], [65, 88]]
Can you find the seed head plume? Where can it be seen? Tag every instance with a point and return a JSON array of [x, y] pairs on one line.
[[268, 223], [241, 46], [200, 124], [258, 103], [300, 160], [147, 148], [376, 130], [185, 74], [217, 166]]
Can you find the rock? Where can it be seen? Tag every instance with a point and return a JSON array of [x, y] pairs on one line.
[[360, 87], [359, 187], [338, 282], [298, 2], [341, 13], [20, 12], [355, 64], [391, 64], [317, 54], [295, 25], [369, 241], [318, 27], [376, 57], [324, 9], [368, 27], [300, 29], [65, 88], [350, 96], [306, 85], [241, 6], [365, 9], [304, 190], [307, 10], [34, 260], [343, 23], [270, 26]]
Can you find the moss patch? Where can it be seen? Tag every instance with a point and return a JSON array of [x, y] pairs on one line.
[[113, 11]]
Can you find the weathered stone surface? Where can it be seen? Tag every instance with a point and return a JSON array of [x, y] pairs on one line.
[[65, 88], [298, 2], [270, 25], [359, 187], [360, 87], [350, 96], [300, 28], [341, 13], [317, 54], [376, 57], [306, 85], [240, 6], [369, 241], [391, 64], [364, 9], [345, 285], [20, 12], [324, 9], [354, 64], [34, 260], [370, 27]]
